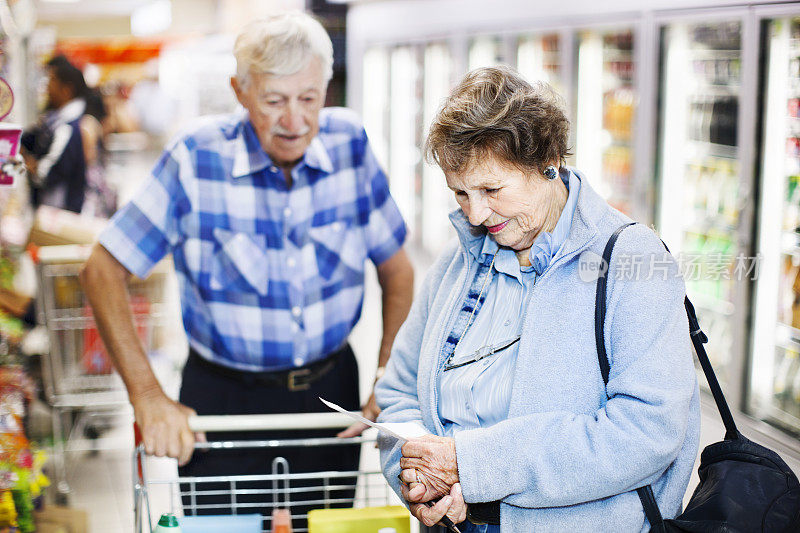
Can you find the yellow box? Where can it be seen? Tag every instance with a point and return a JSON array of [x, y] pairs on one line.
[[359, 520]]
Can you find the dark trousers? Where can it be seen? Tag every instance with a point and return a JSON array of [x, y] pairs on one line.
[[210, 393]]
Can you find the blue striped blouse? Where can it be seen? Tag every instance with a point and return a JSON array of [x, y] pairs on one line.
[[478, 394]]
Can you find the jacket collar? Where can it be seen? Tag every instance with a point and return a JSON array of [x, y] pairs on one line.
[[583, 231], [72, 110], [250, 157]]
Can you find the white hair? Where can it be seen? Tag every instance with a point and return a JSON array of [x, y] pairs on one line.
[[282, 45]]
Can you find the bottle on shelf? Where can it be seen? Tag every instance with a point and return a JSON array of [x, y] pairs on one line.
[[281, 521], [785, 372]]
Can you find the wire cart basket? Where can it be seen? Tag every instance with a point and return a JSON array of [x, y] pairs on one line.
[[80, 383], [279, 488]]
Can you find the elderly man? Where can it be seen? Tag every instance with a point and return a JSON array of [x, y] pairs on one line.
[[270, 216]]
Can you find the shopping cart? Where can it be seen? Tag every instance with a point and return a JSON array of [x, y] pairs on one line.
[[280, 488], [79, 381]]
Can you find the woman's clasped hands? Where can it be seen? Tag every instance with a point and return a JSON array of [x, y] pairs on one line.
[[430, 471]]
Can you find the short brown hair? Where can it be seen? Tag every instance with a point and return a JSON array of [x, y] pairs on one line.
[[493, 111]]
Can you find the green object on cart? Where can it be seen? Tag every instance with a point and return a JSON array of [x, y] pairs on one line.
[[359, 520], [168, 523]]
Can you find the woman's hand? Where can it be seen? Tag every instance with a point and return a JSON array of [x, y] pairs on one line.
[[430, 461], [452, 505]]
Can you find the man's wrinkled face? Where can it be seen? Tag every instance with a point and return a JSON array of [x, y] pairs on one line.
[[284, 110]]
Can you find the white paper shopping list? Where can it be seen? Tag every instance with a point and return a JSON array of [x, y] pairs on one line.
[[399, 430]]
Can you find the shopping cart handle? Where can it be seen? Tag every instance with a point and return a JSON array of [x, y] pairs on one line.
[[269, 422]]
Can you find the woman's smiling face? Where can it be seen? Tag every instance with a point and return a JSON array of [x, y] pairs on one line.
[[512, 204]]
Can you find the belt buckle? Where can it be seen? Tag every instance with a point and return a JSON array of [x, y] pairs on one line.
[[295, 380]]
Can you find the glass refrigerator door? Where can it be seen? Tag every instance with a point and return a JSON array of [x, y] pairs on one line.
[[376, 102], [775, 369], [699, 175], [539, 58], [485, 52], [437, 200], [605, 114], [404, 154]]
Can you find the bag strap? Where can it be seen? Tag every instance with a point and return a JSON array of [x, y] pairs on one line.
[[695, 333], [699, 338], [646, 496]]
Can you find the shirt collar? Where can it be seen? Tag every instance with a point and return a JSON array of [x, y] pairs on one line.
[[317, 156], [482, 247], [250, 157], [72, 110], [547, 244]]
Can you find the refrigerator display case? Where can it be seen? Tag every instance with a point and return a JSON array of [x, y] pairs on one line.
[[774, 385], [404, 142], [437, 200], [539, 58], [606, 107], [700, 215], [375, 106], [485, 51]]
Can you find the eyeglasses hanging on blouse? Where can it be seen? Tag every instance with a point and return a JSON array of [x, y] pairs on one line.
[[481, 353]]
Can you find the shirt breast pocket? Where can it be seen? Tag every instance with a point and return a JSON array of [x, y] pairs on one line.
[[338, 247], [239, 262]]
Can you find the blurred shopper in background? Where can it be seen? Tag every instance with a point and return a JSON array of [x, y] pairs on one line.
[[64, 150], [54, 149], [270, 216], [100, 199]]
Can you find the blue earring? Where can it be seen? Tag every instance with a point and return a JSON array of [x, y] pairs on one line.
[[551, 172]]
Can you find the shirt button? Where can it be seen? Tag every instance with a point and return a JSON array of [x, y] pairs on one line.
[[337, 226], [296, 311], [287, 211], [298, 361], [273, 169], [507, 323], [290, 262]]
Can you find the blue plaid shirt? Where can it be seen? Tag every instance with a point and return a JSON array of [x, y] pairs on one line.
[[271, 277]]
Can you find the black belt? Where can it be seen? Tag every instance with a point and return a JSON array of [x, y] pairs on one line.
[[295, 379], [484, 513]]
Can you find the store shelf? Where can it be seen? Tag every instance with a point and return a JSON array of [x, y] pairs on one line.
[[715, 305], [701, 223], [705, 89], [787, 336], [699, 148], [779, 417], [709, 53]]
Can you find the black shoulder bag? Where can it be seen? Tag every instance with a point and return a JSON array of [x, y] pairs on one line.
[[744, 487]]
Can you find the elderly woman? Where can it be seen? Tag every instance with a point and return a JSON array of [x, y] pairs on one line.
[[497, 358]]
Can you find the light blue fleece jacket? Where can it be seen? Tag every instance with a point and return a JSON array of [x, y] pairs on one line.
[[568, 458]]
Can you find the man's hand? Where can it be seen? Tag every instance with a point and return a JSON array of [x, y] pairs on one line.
[[431, 462], [370, 411], [164, 425], [452, 505]]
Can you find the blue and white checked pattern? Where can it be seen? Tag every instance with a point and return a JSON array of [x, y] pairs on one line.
[[270, 277]]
